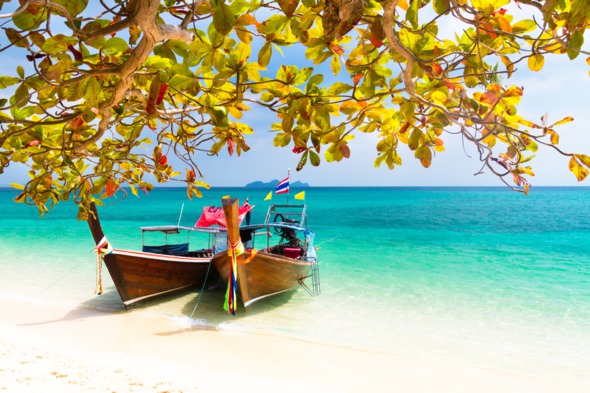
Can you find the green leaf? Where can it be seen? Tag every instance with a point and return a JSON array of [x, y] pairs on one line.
[[412, 13], [303, 160], [223, 17], [339, 88], [407, 110], [314, 158], [265, 54], [575, 44], [181, 82], [274, 24], [27, 21], [93, 92], [21, 95], [158, 62], [441, 6], [58, 43], [20, 71], [219, 114], [524, 26], [74, 7], [16, 38], [6, 81], [416, 138], [115, 45], [313, 82], [302, 75]]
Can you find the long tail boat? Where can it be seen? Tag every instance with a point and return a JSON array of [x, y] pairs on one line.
[[285, 257], [159, 269]]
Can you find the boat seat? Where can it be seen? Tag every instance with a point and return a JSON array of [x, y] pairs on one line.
[[293, 252], [168, 249]]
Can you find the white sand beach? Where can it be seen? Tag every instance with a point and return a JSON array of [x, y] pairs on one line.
[[50, 348]]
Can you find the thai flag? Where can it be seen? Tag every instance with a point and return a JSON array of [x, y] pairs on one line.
[[282, 187]]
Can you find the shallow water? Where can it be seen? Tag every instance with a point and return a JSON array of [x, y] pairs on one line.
[[475, 275]]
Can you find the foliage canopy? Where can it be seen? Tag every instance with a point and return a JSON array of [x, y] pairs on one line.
[[100, 82]]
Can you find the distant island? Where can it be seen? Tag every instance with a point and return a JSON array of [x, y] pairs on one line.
[[273, 184]]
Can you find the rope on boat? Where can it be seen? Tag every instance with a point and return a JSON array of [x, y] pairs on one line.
[[202, 289], [102, 248]]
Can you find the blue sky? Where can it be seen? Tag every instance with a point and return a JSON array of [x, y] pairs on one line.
[[560, 90]]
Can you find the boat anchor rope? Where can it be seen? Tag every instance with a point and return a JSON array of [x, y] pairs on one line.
[[102, 248]]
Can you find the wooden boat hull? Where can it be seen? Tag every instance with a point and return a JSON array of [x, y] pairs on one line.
[[265, 275], [140, 275]]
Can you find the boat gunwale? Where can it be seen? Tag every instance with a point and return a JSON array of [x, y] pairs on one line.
[[167, 257]]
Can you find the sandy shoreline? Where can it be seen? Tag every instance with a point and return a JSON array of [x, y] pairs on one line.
[[46, 347]]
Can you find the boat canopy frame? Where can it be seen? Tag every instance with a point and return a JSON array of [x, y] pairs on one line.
[[176, 229], [289, 213]]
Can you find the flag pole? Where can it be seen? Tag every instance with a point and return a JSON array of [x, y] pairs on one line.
[[289, 189]]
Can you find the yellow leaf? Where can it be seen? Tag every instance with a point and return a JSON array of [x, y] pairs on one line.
[[336, 65], [17, 186], [536, 62], [504, 24], [403, 4], [565, 120], [236, 113], [509, 65], [439, 96], [579, 171], [554, 136], [425, 155], [584, 159]]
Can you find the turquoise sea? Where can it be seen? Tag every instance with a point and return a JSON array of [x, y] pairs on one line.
[[481, 276]]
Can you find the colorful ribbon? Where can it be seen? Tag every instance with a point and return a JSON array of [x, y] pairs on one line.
[[233, 252]]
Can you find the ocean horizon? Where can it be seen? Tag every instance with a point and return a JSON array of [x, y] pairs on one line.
[[477, 275]]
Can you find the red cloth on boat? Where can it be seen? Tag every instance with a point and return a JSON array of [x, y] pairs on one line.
[[213, 215]]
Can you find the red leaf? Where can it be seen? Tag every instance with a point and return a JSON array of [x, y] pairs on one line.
[[436, 69], [337, 49], [489, 98], [191, 175], [76, 123], [356, 79], [155, 88], [449, 84], [488, 28], [111, 188], [345, 150], [161, 93], [77, 54], [230, 146], [162, 160], [34, 142], [299, 149], [376, 37]]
